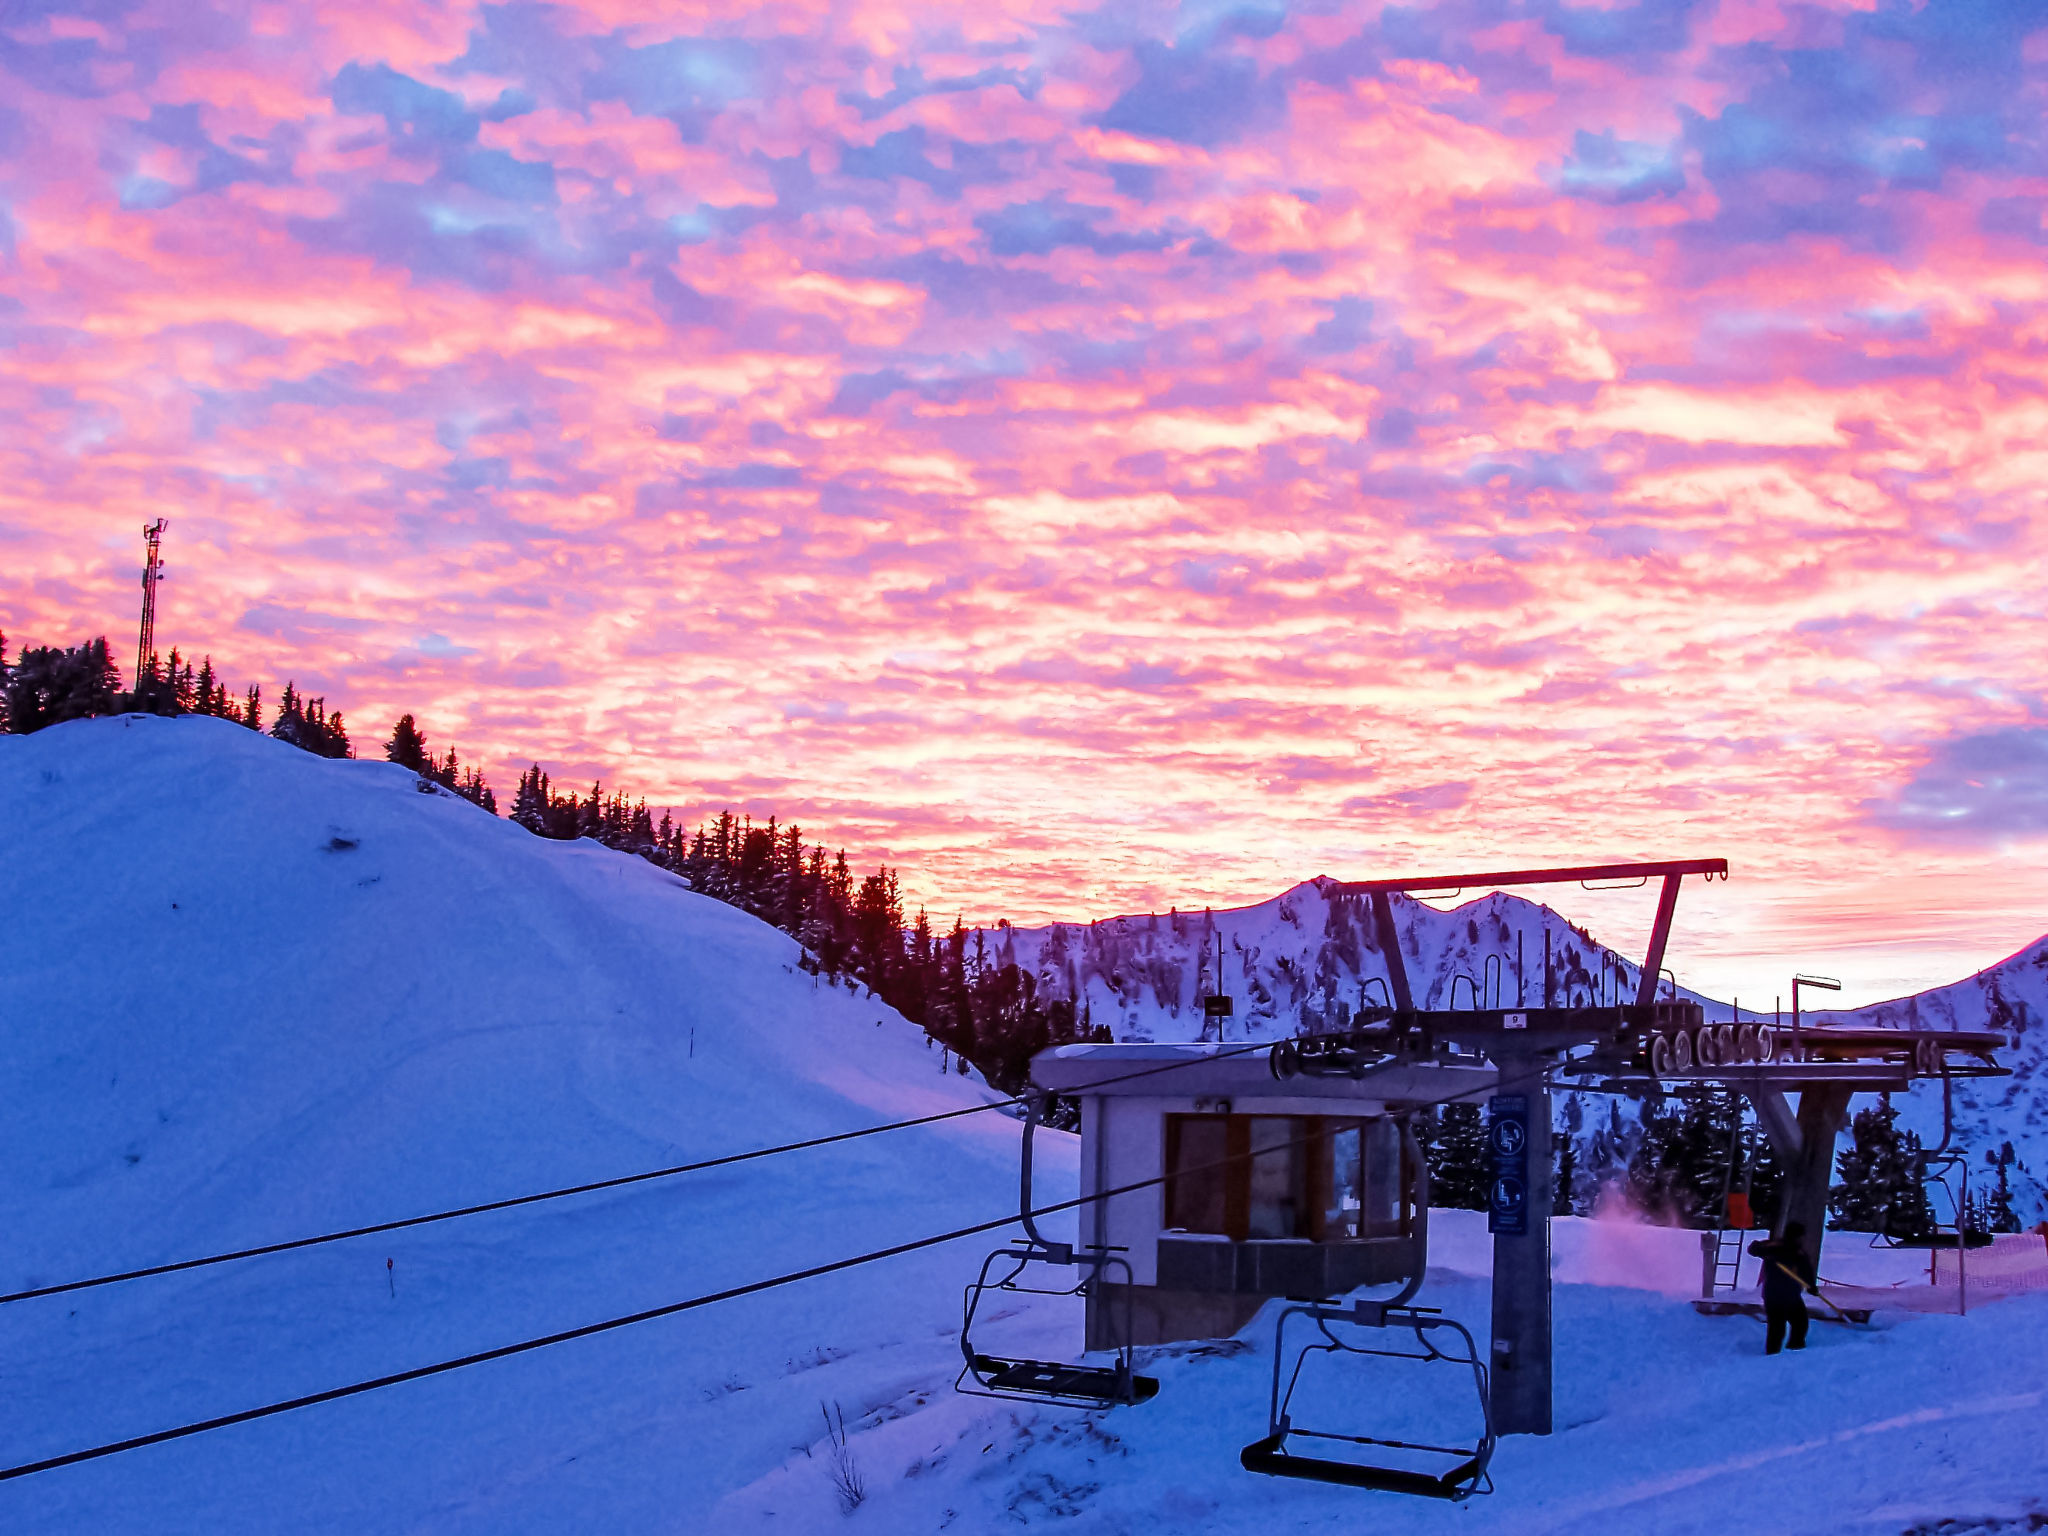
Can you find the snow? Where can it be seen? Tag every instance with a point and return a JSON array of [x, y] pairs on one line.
[[246, 993], [1297, 958], [1305, 957]]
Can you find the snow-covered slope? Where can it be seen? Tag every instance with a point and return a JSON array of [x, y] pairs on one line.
[[247, 994]]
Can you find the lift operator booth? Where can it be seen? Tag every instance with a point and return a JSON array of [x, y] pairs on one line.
[[1269, 1188]]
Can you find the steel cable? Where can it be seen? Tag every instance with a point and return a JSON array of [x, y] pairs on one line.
[[587, 1330], [178, 1266]]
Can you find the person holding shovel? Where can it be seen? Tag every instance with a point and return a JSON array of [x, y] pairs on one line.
[[1788, 1275]]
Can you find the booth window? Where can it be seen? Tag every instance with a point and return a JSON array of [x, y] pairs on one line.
[[1321, 1177], [1197, 1177], [1276, 1202]]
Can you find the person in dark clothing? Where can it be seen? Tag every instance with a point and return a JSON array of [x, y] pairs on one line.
[[1788, 1275]]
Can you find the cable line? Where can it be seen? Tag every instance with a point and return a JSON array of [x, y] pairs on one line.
[[180, 1265], [731, 1293]]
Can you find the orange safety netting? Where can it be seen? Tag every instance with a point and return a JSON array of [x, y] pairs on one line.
[[2013, 1264]]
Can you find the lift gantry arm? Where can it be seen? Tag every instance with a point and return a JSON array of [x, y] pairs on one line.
[[1670, 870]]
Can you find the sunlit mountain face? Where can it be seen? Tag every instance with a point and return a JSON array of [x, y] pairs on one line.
[[1098, 460]]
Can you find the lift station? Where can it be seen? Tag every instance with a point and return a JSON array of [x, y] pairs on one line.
[[1214, 1179]]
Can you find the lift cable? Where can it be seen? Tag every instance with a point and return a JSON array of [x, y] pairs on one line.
[[731, 1293], [180, 1265]]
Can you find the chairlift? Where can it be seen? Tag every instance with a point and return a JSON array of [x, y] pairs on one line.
[[1011, 1270], [1452, 1472], [1947, 1170]]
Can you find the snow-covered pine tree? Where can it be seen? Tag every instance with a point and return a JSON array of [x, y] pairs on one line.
[[1997, 1212], [1460, 1166], [1878, 1175]]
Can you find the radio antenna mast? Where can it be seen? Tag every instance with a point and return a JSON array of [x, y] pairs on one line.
[[152, 573]]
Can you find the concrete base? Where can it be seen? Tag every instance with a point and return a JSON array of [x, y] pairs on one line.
[[1281, 1266], [1211, 1287], [1166, 1317]]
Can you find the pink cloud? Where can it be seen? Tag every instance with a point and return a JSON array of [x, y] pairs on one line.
[[1050, 458]]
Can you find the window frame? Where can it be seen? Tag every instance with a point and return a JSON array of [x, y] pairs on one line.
[[1313, 1183]]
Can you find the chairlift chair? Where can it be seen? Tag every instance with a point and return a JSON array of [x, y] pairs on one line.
[[1451, 1472], [1945, 1169], [1391, 1465], [1072, 1385]]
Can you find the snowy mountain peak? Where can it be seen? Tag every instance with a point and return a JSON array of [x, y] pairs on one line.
[[1308, 958]]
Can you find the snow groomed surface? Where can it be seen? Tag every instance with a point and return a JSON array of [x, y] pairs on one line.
[[246, 994]]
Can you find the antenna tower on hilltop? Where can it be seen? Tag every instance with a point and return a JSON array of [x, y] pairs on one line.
[[152, 573]]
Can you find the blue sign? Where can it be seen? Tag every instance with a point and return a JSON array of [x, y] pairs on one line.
[[1507, 1143]]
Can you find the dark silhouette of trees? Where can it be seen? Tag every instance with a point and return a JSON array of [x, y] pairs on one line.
[[305, 724], [48, 685], [407, 747]]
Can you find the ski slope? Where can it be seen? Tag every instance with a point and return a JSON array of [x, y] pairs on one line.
[[246, 993]]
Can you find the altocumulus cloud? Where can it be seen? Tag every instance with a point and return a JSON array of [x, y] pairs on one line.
[[1982, 787]]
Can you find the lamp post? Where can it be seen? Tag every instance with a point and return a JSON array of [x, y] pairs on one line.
[[1826, 984]]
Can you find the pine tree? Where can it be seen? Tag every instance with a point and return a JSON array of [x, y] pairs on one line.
[[407, 746], [1998, 1214], [477, 791], [290, 724], [1564, 1172], [335, 743], [529, 804], [1460, 1162], [1880, 1186], [48, 685], [1689, 1154], [252, 708]]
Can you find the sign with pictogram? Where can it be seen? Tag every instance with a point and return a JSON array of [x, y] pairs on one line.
[[1507, 1145]]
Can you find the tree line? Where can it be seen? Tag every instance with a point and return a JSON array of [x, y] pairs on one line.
[[1680, 1157]]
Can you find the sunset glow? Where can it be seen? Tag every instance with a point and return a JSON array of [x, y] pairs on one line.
[[1100, 460]]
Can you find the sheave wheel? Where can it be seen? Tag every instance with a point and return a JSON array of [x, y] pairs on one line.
[[1703, 1048], [1766, 1044], [1660, 1056], [1681, 1052], [1745, 1043]]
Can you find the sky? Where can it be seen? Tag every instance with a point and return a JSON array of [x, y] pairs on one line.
[[1094, 460]]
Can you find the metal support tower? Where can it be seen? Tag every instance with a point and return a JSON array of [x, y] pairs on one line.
[[152, 573], [1521, 1354]]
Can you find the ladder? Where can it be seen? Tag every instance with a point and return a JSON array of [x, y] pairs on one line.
[[1724, 1272], [1727, 1271]]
